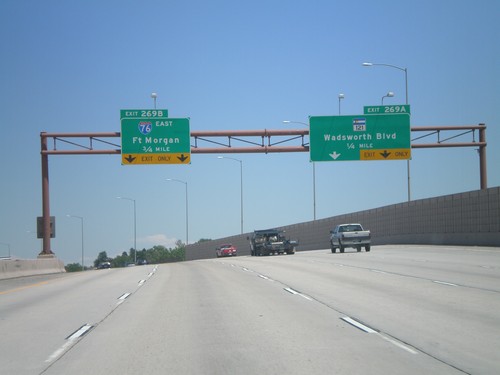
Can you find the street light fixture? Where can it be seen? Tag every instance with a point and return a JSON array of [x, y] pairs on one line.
[[154, 95], [405, 70], [187, 220], [241, 186], [313, 163], [80, 218], [395, 67], [341, 96], [135, 227], [390, 94]]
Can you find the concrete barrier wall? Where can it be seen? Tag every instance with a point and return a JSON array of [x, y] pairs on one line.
[[10, 268], [471, 218]]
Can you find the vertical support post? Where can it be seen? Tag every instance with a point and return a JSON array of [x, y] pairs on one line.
[[482, 158], [45, 198]]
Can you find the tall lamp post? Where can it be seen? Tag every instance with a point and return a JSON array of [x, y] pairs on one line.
[[241, 186], [313, 163], [405, 70], [341, 96], [187, 220], [135, 227], [154, 95], [81, 219]]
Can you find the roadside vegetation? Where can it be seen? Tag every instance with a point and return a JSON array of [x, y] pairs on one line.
[[155, 255]]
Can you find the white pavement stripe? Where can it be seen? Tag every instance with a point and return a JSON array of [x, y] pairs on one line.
[[357, 324], [70, 341], [398, 344], [124, 296], [444, 283]]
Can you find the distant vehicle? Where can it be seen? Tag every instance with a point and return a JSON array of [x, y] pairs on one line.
[[104, 265], [350, 235], [142, 262], [271, 241], [226, 250]]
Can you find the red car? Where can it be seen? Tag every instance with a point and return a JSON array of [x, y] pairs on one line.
[[226, 250]]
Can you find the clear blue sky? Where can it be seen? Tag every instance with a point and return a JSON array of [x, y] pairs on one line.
[[71, 66]]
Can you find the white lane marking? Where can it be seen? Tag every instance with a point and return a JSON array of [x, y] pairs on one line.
[[70, 341], [246, 269], [367, 329], [290, 290], [152, 271], [59, 351], [124, 296], [306, 297], [265, 277], [398, 344], [444, 283], [141, 282], [80, 332], [357, 324]]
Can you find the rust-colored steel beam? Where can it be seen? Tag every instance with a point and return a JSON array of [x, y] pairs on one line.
[[250, 133], [45, 200], [439, 145], [482, 157], [248, 150]]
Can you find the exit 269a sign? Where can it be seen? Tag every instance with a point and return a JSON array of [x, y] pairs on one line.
[[151, 137], [363, 137]]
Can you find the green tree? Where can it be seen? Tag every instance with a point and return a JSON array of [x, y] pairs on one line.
[[203, 240], [73, 267], [102, 257], [121, 260]]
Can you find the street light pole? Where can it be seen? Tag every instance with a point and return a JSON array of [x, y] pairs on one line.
[[135, 227], [241, 186], [313, 163], [81, 218], [341, 96], [154, 95], [187, 220], [405, 70]]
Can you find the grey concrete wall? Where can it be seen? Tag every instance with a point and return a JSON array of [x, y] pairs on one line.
[[10, 268], [471, 218]]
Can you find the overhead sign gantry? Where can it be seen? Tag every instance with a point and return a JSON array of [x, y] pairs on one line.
[[261, 141]]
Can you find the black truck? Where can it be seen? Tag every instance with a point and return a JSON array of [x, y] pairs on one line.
[[271, 241]]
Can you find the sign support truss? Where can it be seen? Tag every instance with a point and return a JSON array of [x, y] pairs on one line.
[[260, 141]]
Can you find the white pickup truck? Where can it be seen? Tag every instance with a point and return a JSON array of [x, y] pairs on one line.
[[350, 235]]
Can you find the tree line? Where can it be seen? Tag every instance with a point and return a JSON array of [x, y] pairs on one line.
[[156, 254]]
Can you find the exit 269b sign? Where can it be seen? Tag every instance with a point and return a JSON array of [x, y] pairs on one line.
[[151, 137], [363, 137]]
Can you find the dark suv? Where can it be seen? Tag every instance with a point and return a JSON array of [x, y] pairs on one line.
[[271, 241]]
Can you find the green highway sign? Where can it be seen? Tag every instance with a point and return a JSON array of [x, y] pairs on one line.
[[363, 137], [151, 137], [386, 109]]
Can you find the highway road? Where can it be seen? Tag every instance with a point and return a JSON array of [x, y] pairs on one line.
[[399, 309]]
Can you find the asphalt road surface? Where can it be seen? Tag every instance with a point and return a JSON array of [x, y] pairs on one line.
[[396, 310]]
